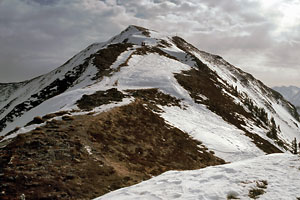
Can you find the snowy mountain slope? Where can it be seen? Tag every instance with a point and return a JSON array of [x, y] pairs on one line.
[[148, 59], [265, 177], [246, 87], [230, 113], [32, 93], [80, 71], [291, 93]]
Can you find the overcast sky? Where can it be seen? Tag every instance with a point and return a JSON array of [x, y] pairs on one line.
[[261, 37]]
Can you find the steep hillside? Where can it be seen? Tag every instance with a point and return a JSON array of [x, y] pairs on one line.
[[86, 156], [291, 93], [133, 107]]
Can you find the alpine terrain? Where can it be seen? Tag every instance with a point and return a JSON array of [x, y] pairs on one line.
[[291, 93], [145, 105]]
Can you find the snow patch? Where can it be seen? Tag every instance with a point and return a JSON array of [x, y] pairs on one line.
[[273, 174]]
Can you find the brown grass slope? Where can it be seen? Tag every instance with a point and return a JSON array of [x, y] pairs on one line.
[[128, 144]]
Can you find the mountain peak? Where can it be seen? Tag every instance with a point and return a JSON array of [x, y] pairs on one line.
[[123, 104], [138, 28], [133, 34]]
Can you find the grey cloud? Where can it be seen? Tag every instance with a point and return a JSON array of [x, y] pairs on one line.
[[39, 38], [39, 35], [42, 2]]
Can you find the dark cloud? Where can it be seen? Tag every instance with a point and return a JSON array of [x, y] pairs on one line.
[[37, 36]]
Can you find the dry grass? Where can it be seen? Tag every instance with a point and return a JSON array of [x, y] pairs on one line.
[[104, 58], [128, 144], [88, 102]]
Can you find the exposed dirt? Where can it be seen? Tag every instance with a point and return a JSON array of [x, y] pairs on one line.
[[82, 157]]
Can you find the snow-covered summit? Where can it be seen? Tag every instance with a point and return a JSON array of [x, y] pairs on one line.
[[142, 58], [141, 81]]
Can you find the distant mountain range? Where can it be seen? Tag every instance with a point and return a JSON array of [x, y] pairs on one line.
[[291, 93]]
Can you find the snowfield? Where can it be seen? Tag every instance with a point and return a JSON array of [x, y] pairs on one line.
[[228, 142], [276, 176]]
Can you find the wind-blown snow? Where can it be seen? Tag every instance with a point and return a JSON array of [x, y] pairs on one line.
[[278, 173]]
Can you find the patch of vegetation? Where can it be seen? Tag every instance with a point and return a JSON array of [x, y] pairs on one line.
[[263, 184], [273, 130], [183, 45], [154, 97], [260, 113], [295, 146], [255, 193], [67, 118], [149, 49], [52, 115], [144, 31], [36, 120], [104, 58], [232, 196], [125, 63], [164, 43], [281, 144], [88, 102]]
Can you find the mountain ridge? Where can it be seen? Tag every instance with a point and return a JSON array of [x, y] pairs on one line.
[[291, 93], [145, 78]]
